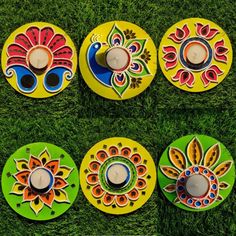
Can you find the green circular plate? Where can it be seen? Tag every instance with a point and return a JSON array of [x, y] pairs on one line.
[[18, 192], [196, 155]]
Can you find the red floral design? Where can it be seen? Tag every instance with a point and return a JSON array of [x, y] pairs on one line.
[[205, 31], [184, 77], [211, 75], [170, 57], [180, 34], [221, 51]]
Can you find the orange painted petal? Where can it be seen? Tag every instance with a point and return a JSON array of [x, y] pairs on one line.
[[59, 183], [142, 170], [113, 151], [141, 184], [136, 158], [48, 198], [53, 166], [34, 162], [194, 151], [223, 168], [125, 151], [170, 172], [108, 199], [94, 166], [212, 155], [92, 178], [23, 176], [121, 200], [170, 188], [133, 194], [177, 158], [102, 156], [29, 194], [97, 191]]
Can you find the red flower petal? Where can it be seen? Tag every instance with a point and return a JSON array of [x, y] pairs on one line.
[[16, 50], [179, 34], [34, 162], [16, 61], [46, 35], [211, 75], [186, 31], [170, 57], [53, 166], [191, 81], [205, 81], [216, 69], [48, 198], [177, 75], [184, 77], [219, 43], [23, 176], [64, 52], [29, 194], [170, 65], [23, 41], [221, 50], [57, 42], [222, 58], [212, 33], [59, 183], [169, 49], [33, 35], [205, 30], [62, 62], [174, 38], [199, 27]]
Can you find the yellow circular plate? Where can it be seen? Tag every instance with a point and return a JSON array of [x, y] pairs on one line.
[[103, 180], [39, 60], [195, 55], [133, 51]]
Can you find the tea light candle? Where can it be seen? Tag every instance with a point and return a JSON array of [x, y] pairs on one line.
[[196, 53], [197, 185], [39, 58], [41, 180], [117, 59], [118, 175]]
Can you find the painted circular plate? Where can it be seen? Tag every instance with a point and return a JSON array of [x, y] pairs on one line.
[[196, 172], [117, 175], [118, 60], [40, 181], [195, 55], [39, 60]]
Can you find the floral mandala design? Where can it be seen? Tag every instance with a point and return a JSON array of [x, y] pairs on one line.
[[56, 191], [138, 58], [209, 71], [200, 165], [36, 42], [108, 194]]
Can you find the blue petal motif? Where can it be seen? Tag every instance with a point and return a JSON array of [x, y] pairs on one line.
[[53, 80], [23, 74]]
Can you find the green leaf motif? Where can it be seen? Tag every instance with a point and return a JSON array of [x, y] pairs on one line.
[[120, 89], [139, 73], [116, 36], [138, 43]]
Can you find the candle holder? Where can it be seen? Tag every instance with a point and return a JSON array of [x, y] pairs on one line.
[[39, 60], [118, 60], [195, 55], [40, 181], [196, 173], [117, 175]]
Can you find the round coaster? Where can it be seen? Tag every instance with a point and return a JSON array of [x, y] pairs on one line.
[[117, 175], [40, 181], [39, 60], [196, 172], [118, 60], [195, 55]]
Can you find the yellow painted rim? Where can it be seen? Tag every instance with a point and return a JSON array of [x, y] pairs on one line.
[[127, 31], [120, 144], [190, 77], [39, 91]]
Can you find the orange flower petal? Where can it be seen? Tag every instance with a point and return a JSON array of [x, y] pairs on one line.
[[142, 170], [108, 199], [53, 166], [113, 151], [121, 200], [94, 166], [34, 162], [125, 151], [177, 158], [23, 176], [92, 178], [45, 156], [194, 151], [212, 156], [97, 191], [29, 194], [223, 168], [136, 158], [133, 194], [141, 184], [102, 156], [170, 172], [59, 183], [47, 198]]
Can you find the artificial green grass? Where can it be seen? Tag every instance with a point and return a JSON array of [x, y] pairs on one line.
[[77, 118]]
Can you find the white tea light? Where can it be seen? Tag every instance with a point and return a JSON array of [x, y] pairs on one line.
[[196, 53], [39, 58], [117, 174]]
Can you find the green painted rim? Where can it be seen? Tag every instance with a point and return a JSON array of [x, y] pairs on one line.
[[23, 208], [206, 143]]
